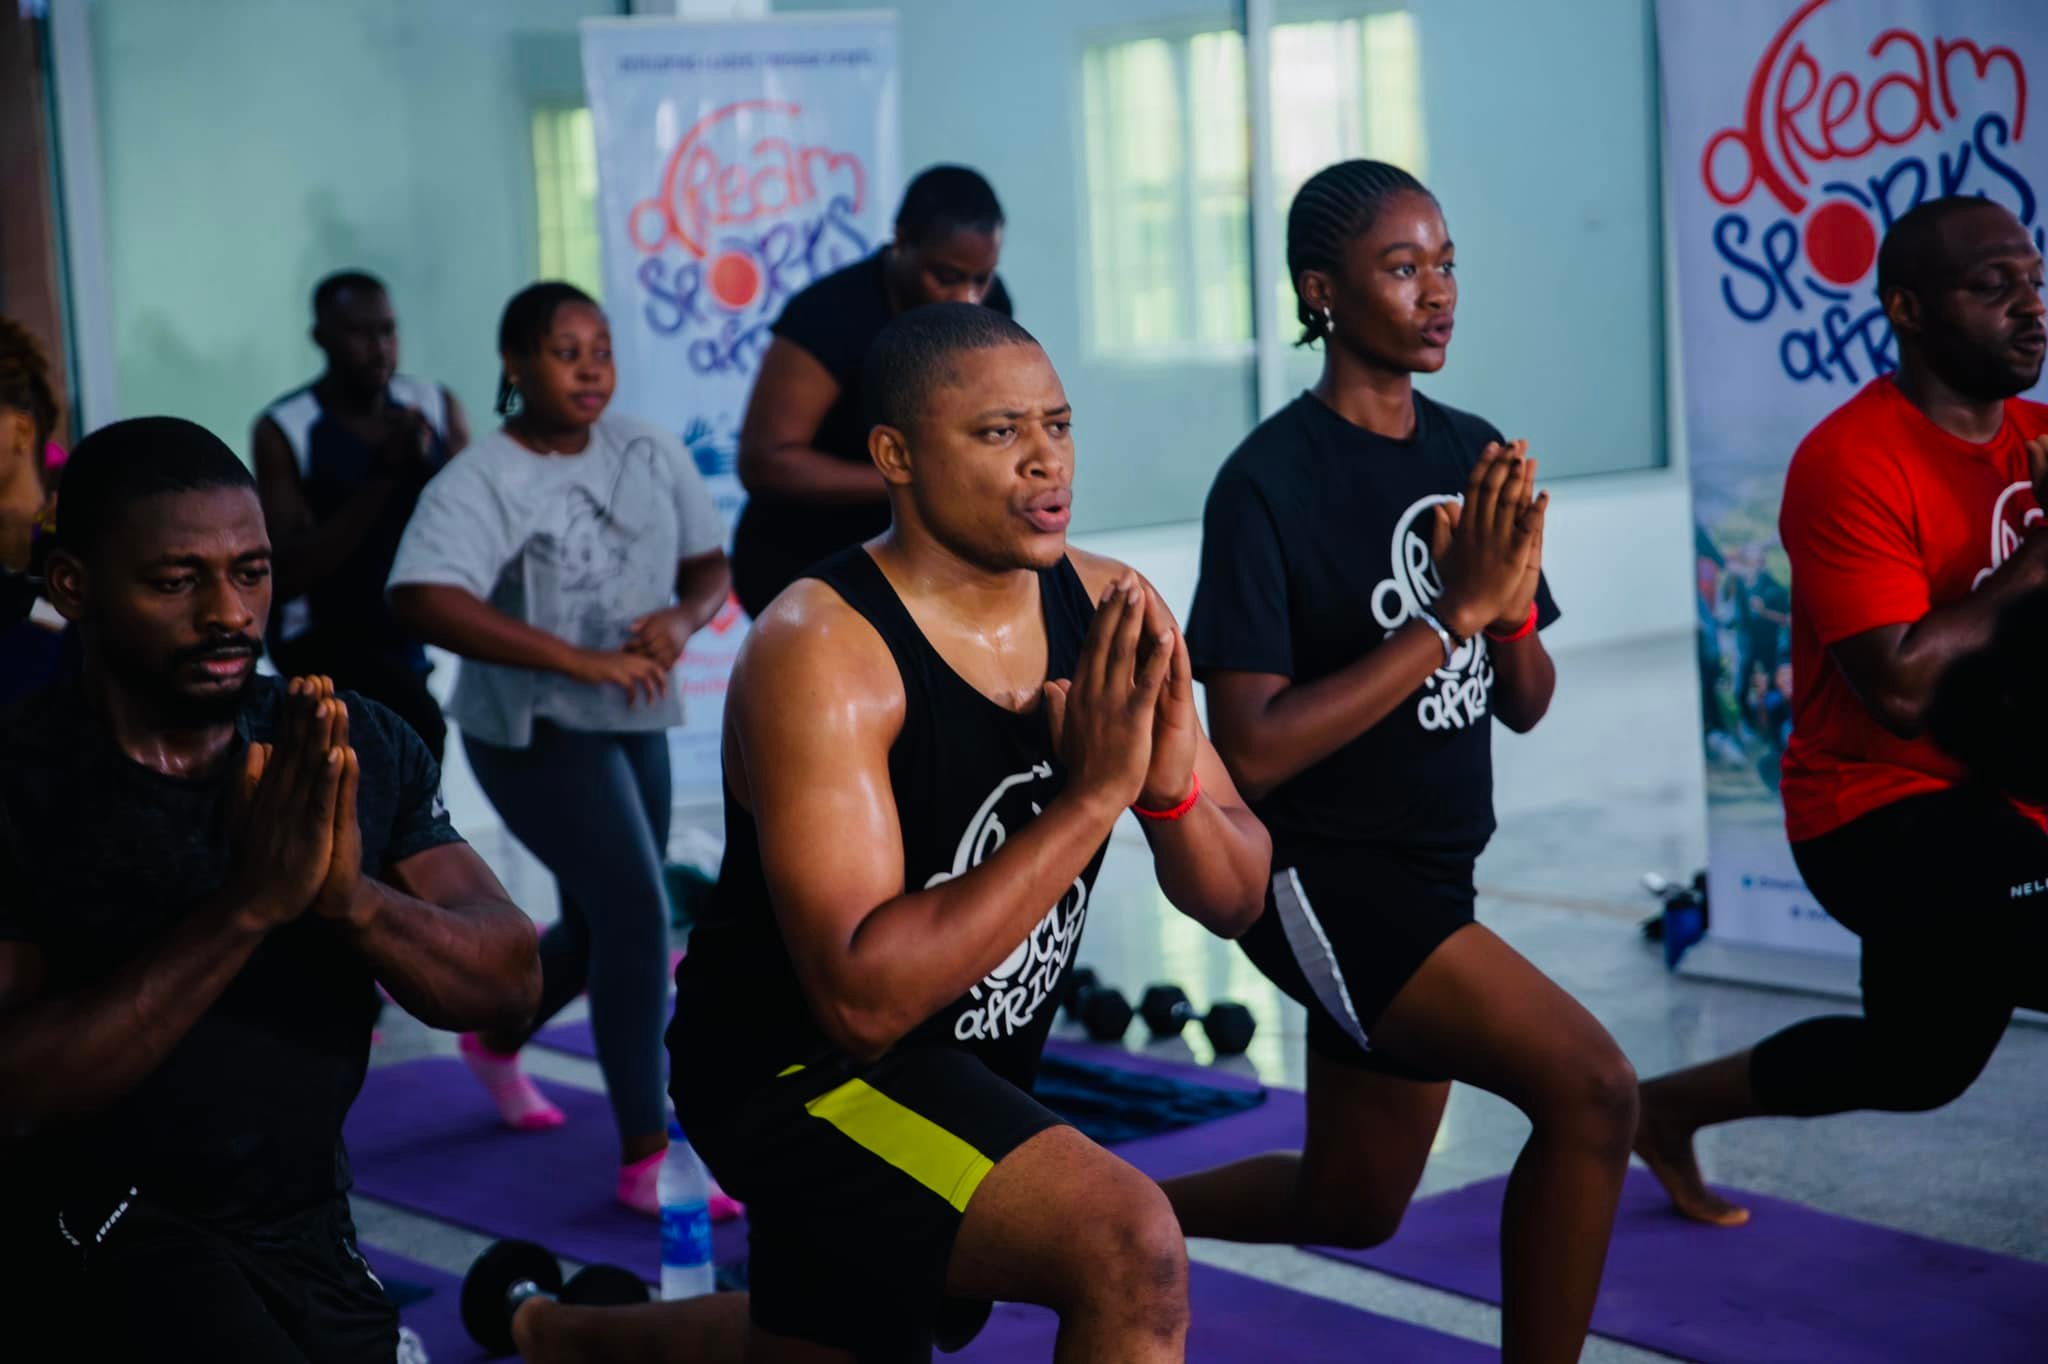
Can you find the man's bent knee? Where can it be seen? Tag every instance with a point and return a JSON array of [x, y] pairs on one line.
[[1133, 1260]]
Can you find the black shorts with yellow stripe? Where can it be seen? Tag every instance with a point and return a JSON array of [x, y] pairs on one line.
[[856, 1178]]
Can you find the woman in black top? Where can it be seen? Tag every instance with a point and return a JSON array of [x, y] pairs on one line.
[[1359, 624], [811, 490]]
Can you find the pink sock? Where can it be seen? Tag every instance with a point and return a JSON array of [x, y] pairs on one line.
[[638, 1184], [522, 1106]]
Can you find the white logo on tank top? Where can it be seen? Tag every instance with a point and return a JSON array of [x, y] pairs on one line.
[[1456, 695], [1009, 997]]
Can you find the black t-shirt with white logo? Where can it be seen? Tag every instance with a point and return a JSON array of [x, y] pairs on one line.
[[834, 320], [1315, 548], [101, 858]]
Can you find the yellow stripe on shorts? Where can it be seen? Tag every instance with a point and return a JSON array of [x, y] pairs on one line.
[[908, 1140]]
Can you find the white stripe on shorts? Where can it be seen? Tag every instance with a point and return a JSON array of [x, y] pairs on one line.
[[1313, 953]]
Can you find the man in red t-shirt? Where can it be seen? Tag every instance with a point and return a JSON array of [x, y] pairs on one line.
[[1908, 517]]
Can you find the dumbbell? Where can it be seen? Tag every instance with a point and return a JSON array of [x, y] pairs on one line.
[[1229, 1025], [510, 1272], [1104, 1012]]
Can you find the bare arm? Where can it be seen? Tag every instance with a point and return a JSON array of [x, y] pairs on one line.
[[1525, 679], [792, 394], [1895, 670], [445, 939], [703, 585], [308, 553], [461, 622], [1214, 861], [66, 1055], [1269, 729], [877, 958]]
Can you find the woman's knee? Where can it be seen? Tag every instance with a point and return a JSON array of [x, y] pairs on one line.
[[1589, 1096], [1356, 1213]]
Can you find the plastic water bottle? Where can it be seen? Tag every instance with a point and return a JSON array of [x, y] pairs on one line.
[[685, 1191]]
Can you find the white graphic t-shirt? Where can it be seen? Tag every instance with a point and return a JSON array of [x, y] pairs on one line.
[[580, 546]]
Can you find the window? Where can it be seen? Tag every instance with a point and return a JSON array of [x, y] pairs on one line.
[[1169, 164], [565, 191]]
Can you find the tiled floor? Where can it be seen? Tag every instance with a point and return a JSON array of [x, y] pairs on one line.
[[1608, 788]]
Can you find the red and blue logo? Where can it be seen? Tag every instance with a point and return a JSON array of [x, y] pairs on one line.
[[747, 214], [1814, 175]]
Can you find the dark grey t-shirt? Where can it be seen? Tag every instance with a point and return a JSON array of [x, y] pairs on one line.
[[100, 858]]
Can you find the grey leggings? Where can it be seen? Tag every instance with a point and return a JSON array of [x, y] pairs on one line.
[[595, 809]]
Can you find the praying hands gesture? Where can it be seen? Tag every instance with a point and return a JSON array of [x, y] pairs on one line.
[[1489, 548]]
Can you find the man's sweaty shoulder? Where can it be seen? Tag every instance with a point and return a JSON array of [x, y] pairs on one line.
[[814, 664], [1098, 571]]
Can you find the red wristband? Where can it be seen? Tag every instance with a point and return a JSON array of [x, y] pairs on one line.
[[1177, 811], [1528, 629]]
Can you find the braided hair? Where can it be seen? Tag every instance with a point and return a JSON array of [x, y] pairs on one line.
[[1337, 204], [25, 382], [525, 326]]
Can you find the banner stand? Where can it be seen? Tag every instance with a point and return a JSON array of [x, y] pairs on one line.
[[737, 162], [1796, 132]]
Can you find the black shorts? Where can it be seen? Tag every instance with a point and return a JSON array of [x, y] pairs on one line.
[[1343, 931], [1950, 887], [856, 1179], [164, 1286]]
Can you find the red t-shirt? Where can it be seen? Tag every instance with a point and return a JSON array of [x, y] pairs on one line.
[[1886, 517]]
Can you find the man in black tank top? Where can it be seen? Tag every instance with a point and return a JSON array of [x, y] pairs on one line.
[[926, 746]]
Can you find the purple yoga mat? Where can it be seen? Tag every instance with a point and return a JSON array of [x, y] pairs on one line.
[[426, 1137], [1795, 1284], [1237, 1320]]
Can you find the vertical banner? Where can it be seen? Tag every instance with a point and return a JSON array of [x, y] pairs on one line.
[[736, 163], [1795, 133]]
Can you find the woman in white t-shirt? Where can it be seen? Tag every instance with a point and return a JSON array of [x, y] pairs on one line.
[[568, 557]]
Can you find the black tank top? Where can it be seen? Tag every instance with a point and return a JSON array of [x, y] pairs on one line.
[[967, 773]]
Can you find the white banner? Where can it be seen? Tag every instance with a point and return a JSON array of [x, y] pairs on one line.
[[737, 162], [1795, 133]]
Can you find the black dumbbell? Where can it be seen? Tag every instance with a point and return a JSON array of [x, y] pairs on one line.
[[510, 1272], [1079, 979], [1104, 1012], [1229, 1025]]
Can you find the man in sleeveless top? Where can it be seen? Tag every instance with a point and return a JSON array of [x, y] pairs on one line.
[[341, 463], [926, 746]]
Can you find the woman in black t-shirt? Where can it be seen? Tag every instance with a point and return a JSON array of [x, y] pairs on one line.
[[1370, 598], [811, 491]]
